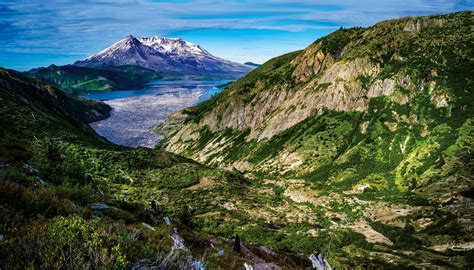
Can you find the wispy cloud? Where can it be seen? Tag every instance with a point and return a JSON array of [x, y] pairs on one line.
[[62, 29]]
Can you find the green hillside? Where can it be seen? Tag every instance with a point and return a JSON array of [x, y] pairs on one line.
[[372, 127], [85, 79], [54, 170]]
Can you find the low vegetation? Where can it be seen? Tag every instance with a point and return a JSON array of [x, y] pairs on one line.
[[76, 79]]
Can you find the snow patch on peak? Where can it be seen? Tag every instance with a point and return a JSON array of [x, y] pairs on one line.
[[172, 46], [126, 44]]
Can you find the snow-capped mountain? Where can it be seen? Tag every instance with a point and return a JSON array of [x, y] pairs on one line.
[[167, 55]]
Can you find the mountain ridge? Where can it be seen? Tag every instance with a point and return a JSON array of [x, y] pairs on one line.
[[252, 64]]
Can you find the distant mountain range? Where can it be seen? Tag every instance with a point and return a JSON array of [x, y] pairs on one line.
[[169, 56], [252, 64]]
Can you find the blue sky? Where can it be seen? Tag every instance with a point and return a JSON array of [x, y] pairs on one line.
[[40, 33]]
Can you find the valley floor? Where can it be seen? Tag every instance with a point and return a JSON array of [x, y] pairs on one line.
[[132, 119]]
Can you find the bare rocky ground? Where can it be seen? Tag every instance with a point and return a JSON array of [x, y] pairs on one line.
[[132, 119]]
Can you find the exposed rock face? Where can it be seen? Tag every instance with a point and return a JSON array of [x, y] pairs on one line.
[[276, 108], [415, 25], [319, 262], [370, 234], [279, 107], [311, 62]]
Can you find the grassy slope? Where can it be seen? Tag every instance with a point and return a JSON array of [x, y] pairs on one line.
[[45, 217], [79, 79], [411, 165], [45, 197]]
